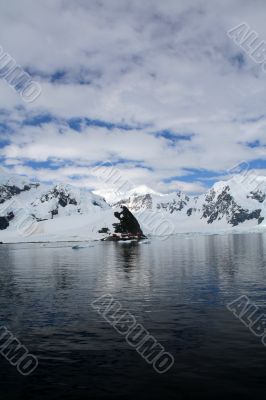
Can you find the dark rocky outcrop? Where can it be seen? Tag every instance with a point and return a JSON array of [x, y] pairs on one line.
[[258, 195], [243, 215], [4, 221], [225, 205], [96, 204], [8, 191], [175, 205], [63, 197], [210, 196], [190, 211], [104, 230], [54, 212], [128, 223]]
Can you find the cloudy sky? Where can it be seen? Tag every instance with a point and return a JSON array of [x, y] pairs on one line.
[[157, 88]]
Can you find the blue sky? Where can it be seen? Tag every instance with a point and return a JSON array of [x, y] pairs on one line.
[[157, 89]]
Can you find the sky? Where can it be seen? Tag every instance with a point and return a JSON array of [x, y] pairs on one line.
[[156, 89]]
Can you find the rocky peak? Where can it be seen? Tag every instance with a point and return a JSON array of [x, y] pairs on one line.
[[62, 194], [174, 205], [222, 204], [7, 191]]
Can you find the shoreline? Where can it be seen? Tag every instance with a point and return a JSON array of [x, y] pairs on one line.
[[162, 238]]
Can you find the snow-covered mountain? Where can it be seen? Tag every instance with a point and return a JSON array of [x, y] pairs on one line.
[[238, 201], [113, 196], [63, 212], [25, 202], [154, 201]]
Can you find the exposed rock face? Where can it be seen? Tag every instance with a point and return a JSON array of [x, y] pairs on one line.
[[230, 202], [128, 223], [176, 202], [224, 205], [7, 192], [137, 202], [95, 203], [104, 230], [258, 195], [56, 197], [23, 200], [64, 198], [176, 205], [4, 221], [190, 211], [245, 215], [64, 201]]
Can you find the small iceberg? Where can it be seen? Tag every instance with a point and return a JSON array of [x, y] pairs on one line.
[[77, 247]]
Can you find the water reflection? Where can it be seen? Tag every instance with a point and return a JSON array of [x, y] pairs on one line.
[[177, 288]]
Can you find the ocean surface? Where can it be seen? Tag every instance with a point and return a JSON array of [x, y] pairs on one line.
[[177, 288]]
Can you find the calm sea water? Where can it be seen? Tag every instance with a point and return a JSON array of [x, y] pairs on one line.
[[177, 288]]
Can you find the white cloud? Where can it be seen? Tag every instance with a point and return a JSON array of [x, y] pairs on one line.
[[188, 187], [164, 65]]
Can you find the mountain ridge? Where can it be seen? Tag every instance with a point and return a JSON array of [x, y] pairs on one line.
[[62, 211]]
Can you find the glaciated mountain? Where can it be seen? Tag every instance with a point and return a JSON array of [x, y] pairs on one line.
[[38, 202], [156, 202], [228, 203], [13, 185], [232, 203], [63, 212], [63, 200], [113, 196]]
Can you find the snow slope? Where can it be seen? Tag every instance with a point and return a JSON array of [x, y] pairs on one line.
[[33, 211]]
